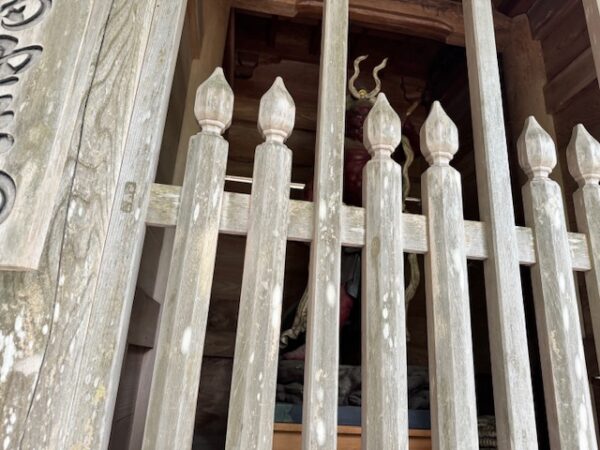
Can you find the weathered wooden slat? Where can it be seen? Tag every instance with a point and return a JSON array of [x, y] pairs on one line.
[[45, 79], [566, 386], [452, 396], [164, 207], [319, 414], [583, 156], [384, 382], [515, 416], [94, 390], [254, 382], [176, 378], [592, 15]]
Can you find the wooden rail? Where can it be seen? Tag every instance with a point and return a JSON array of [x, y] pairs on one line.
[[165, 202]]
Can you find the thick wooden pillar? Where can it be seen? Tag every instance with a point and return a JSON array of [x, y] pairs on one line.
[[513, 395], [322, 334]]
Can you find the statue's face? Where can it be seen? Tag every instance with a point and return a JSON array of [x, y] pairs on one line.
[[355, 119]]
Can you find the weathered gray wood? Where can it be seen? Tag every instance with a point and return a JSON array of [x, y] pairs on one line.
[[583, 156], [179, 350], [45, 78], [54, 303], [515, 417], [213, 24], [592, 15], [253, 387], [164, 207], [319, 415], [95, 388], [566, 387], [452, 385], [384, 392]]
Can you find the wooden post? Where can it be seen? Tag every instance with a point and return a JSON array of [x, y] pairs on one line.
[[583, 157], [250, 421], [592, 15], [172, 407], [213, 19], [452, 396], [515, 417], [566, 388], [385, 393], [322, 334]]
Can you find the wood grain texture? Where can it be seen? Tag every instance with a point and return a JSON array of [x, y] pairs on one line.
[[515, 417], [452, 377], [583, 155], [57, 299], [34, 88], [95, 388], [384, 382], [180, 346], [254, 382], [319, 414], [164, 208], [566, 387], [441, 20]]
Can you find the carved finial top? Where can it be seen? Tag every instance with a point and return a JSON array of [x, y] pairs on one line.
[[277, 113], [537, 152], [439, 137], [382, 129], [214, 103], [583, 157]]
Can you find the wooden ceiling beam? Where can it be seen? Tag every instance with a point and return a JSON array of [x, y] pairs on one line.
[[441, 20]]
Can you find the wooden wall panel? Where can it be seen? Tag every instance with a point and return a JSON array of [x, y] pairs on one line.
[[55, 312]]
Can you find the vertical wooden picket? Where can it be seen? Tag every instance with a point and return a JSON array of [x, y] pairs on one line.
[[322, 334], [172, 407], [513, 394], [452, 395], [583, 157], [566, 387], [252, 403], [384, 393]]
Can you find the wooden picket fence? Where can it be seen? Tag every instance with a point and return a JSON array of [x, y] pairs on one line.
[[201, 209]]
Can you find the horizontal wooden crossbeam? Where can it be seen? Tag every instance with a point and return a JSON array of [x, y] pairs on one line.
[[441, 20], [164, 208]]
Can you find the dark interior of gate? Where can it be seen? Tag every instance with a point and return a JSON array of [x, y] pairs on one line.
[[424, 65]]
